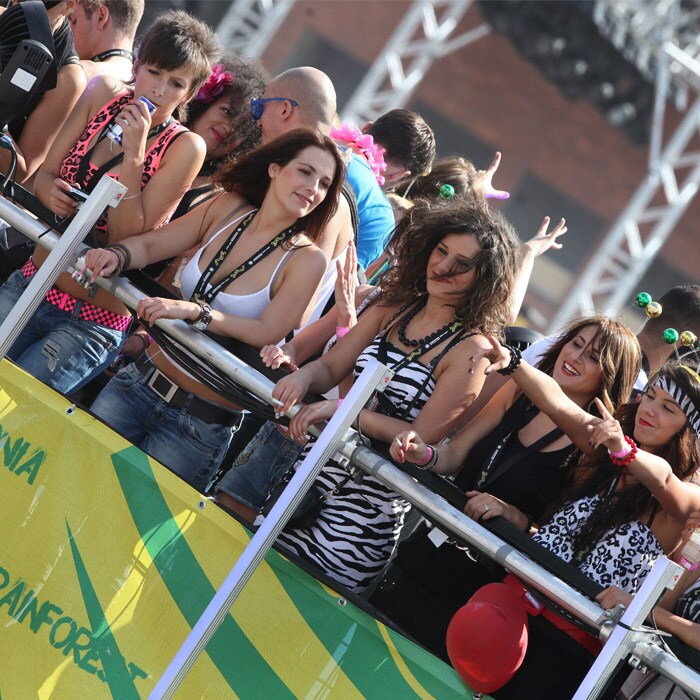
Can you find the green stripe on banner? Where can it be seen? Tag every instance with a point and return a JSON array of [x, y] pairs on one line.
[[116, 674], [238, 661], [436, 679], [369, 666]]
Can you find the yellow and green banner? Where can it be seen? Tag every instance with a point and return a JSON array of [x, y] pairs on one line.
[[107, 561]]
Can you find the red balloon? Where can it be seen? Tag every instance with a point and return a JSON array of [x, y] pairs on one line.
[[487, 637]]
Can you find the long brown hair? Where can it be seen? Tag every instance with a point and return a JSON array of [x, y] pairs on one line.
[[631, 502], [619, 356], [249, 177], [485, 305]]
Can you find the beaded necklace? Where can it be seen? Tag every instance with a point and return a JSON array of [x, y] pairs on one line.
[[410, 342]]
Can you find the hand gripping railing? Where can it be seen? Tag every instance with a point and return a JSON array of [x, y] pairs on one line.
[[338, 436]]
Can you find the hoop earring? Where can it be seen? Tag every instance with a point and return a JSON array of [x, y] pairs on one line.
[[423, 279]]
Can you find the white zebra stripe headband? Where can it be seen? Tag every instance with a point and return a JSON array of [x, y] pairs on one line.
[[681, 398]]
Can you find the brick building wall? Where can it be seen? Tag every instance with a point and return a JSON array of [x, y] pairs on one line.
[[560, 157]]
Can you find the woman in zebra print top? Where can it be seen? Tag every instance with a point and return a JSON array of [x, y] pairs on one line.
[[453, 262]]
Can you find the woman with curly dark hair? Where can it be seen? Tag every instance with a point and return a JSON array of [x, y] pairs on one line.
[[452, 282], [220, 114]]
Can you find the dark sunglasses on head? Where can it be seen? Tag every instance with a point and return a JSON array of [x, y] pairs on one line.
[[257, 105]]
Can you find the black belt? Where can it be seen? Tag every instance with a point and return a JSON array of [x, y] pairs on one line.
[[173, 395]]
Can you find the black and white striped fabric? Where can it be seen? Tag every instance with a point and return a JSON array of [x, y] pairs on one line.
[[358, 528]]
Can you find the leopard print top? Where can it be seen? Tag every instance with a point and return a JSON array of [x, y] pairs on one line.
[[82, 148]]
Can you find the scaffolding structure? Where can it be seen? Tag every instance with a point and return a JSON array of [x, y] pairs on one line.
[[425, 34], [249, 25], [661, 38]]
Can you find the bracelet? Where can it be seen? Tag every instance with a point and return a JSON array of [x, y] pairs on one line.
[[628, 455], [430, 462], [122, 252], [341, 331], [689, 565], [515, 358], [530, 523], [337, 406], [120, 262]]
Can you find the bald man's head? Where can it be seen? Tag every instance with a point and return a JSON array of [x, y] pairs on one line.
[[314, 94]]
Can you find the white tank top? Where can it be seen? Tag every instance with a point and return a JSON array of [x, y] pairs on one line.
[[247, 305]]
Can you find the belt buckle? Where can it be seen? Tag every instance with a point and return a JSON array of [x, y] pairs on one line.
[[168, 395]]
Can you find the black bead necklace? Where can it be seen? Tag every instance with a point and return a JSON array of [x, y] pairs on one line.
[[421, 341]]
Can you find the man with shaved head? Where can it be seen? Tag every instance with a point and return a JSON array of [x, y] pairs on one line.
[[305, 97], [299, 97]]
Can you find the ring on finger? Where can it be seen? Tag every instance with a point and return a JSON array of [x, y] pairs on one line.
[[486, 509]]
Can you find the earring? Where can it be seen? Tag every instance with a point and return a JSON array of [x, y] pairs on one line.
[[422, 280]]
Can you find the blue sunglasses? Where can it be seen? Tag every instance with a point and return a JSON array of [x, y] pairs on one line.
[[257, 105]]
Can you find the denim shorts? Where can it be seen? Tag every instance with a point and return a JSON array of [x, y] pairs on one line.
[[187, 445], [57, 347], [263, 462]]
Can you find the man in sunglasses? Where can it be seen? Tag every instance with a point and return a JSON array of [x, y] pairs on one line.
[[305, 98]]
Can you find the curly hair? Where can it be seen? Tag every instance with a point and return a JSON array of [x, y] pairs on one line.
[[250, 79], [633, 500], [249, 177], [619, 356], [485, 306]]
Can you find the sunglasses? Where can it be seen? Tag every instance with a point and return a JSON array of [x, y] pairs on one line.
[[257, 105]]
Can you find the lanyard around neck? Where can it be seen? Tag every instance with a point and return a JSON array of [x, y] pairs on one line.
[[201, 292], [104, 55]]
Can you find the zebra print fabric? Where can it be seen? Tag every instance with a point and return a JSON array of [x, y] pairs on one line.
[[357, 530]]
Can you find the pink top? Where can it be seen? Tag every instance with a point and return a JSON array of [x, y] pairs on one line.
[[83, 146]]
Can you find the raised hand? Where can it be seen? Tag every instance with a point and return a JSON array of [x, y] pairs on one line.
[[483, 184], [345, 286], [497, 355], [408, 446], [606, 431], [543, 240], [135, 121]]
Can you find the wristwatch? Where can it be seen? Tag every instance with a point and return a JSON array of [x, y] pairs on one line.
[[202, 321]]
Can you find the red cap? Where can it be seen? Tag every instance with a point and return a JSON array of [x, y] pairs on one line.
[[487, 637]]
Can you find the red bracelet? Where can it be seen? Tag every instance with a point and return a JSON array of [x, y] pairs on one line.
[[628, 457]]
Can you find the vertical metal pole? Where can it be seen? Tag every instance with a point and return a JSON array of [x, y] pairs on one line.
[[330, 441], [621, 641], [61, 256]]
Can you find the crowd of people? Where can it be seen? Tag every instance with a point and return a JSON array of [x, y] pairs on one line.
[[259, 218]]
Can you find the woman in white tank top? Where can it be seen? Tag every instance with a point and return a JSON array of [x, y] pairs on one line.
[[252, 279]]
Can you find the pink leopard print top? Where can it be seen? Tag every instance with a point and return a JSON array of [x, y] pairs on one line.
[[82, 147]]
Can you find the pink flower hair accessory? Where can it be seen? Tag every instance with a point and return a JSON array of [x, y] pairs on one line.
[[215, 84], [362, 144]]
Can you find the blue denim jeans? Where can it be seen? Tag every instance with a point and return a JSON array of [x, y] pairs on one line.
[[187, 445], [264, 461], [57, 347]]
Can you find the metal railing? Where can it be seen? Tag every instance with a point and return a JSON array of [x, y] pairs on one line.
[[338, 436]]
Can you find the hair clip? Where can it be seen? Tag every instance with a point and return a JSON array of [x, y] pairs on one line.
[[652, 308], [688, 339], [447, 191]]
